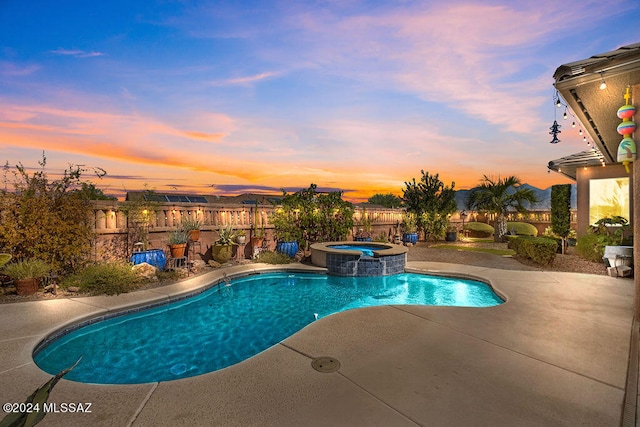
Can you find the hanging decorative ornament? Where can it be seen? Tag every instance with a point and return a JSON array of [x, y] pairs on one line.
[[627, 147], [555, 130]]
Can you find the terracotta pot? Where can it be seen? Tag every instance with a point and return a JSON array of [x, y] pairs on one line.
[[177, 250], [194, 235], [27, 286], [256, 242], [222, 253]]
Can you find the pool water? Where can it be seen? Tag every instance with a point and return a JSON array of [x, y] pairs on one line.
[[366, 250], [230, 323]]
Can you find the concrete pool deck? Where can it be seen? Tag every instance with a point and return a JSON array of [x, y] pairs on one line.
[[556, 353]]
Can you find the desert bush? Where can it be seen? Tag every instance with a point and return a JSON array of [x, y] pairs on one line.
[[269, 257], [540, 250], [479, 229], [591, 246], [381, 238], [522, 229], [104, 278], [48, 219]]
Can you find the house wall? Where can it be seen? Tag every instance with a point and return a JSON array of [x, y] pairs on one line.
[[583, 175], [635, 172]]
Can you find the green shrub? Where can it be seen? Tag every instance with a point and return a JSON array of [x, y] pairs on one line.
[[522, 229], [269, 257], [104, 278], [540, 250], [591, 246], [309, 216], [381, 238], [47, 219], [28, 269], [479, 229], [561, 209]]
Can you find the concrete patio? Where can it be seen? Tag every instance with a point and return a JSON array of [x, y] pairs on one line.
[[556, 353]]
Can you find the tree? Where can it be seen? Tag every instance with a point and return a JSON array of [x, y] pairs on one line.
[[388, 200], [500, 196], [432, 202], [309, 216], [51, 220], [89, 191], [561, 210], [140, 211]]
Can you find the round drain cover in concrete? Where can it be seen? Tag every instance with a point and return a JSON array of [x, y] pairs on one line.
[[325, 364]]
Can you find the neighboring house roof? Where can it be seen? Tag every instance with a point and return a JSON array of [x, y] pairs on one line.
[[579, 85]]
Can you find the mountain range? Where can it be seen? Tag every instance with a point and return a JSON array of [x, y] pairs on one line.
[[544, 197]]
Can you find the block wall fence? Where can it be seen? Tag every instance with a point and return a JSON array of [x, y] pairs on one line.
[[114, 230]]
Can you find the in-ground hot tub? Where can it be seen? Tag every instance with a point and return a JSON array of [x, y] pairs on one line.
[[359, 258]]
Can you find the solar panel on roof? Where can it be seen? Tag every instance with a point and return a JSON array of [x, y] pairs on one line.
[[197, 199]]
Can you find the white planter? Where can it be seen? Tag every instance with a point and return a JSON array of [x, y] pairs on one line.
[[618, 256]]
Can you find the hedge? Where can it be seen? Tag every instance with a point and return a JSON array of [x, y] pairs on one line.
[[522, 229], [479, 229], [540, 250]]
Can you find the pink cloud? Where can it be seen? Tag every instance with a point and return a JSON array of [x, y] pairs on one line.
[[460, 54], [11, 69], [244, 80]]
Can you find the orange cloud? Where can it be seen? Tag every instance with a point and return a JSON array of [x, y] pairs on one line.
[[204, 136]]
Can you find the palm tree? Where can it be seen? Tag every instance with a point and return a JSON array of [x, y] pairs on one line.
[[499, 196]]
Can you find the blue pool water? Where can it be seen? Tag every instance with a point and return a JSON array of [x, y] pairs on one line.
[[366, 250], [227, 324]]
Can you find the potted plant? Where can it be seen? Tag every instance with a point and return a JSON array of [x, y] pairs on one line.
[[410, 228], [222, 248], [257, 233], [452, 233], [241, 237], [178, 242], [192, 226], [27, 274], [287, 236]]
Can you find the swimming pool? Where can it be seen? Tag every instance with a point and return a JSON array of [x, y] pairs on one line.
[[230, 323]]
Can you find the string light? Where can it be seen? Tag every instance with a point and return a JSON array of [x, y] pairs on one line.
[[555, 127], [603, 85]]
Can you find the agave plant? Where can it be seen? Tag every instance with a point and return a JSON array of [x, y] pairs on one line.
[[227, 236]]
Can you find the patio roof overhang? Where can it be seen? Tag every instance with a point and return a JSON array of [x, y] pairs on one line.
[[568, 165], [578, 83]]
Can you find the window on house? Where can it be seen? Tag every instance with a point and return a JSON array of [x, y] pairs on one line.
[[608, 197]]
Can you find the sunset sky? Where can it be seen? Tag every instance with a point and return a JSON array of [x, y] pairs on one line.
[[230, 97]]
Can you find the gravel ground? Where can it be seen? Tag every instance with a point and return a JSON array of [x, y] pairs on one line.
[[568, 262]]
